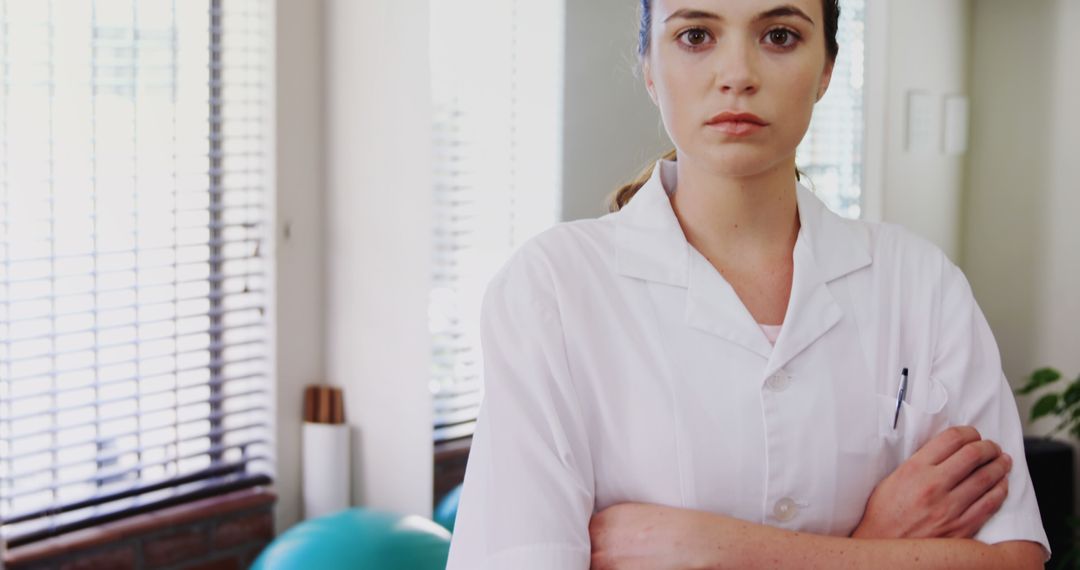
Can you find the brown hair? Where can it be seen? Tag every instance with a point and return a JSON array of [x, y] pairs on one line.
[[622, 196]]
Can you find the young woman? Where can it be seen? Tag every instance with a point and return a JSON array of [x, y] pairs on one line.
[[722, 373]]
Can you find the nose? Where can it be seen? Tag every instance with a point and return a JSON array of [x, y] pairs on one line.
[[737, 70]]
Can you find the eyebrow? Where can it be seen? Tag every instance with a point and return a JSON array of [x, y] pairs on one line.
[[778, 12]]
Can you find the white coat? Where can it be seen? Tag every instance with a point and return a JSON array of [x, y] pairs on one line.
[[620, 366]]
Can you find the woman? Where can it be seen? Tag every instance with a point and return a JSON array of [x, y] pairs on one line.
[[722, 373]]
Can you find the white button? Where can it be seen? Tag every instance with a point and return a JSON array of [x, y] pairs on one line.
[[778, 382], [785, 509]]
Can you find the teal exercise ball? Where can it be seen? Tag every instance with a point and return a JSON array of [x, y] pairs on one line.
[[446, 512], [359, 539]]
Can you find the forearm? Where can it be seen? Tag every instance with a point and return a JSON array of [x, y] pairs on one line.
[[732, 543]]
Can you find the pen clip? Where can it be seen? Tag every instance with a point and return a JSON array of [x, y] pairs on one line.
[[900, 393]]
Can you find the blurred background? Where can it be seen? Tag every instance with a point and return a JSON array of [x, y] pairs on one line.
[[207, 205]]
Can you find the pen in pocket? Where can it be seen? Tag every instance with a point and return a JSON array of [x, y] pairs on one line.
[[900, 393]]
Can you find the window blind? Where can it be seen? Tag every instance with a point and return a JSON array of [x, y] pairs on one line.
[[831, 154], [496, 90], [133, 339]]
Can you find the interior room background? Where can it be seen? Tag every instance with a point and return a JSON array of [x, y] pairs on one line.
[[1002, 209], [394, 153]]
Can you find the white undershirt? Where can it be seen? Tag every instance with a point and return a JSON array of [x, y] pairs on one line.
[[772, 332]]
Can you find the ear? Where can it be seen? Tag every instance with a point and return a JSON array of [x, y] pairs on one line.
[[646, 70], [826, 78]]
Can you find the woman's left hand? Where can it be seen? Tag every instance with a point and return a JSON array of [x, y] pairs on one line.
[[639, 535]]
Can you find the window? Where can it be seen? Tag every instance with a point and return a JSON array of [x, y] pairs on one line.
[[497, 96], [831, 154], [133, 355]]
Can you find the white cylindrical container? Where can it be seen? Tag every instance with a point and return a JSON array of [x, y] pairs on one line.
[[325, 468]]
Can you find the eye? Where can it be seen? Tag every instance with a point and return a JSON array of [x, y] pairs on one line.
[[782, 37], [696, 38]]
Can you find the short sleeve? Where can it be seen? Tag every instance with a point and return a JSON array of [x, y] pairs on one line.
[[528, 494], [968, 364]]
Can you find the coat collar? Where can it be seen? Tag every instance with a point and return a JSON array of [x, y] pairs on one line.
[[650, 245]]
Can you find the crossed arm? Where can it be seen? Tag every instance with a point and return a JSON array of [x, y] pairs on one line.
[[921, 516], [698, 540]]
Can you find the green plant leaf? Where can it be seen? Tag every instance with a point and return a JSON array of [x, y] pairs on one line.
[[1040, 378], [1045, 406], [1072, 394]]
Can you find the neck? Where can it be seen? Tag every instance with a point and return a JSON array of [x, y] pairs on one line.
[[736, 219]]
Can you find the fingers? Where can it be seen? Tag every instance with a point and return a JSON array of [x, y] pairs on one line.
[[973, 519], [945, 444], [960, 465], [981, 481]]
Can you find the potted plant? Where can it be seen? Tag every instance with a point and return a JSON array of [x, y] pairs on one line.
[[1051, 465]]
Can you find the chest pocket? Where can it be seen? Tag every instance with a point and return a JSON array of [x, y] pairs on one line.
[[922, 416]]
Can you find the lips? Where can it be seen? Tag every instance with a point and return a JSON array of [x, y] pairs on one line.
[[737, 124], [729, 117]]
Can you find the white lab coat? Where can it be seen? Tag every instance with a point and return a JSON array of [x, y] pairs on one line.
[[620, 366]]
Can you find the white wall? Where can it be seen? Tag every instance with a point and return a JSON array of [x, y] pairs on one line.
[[299, 313], [1059, 304], [1022, 239], [928, 52], [612, 130], [353, 190], [378, 240]]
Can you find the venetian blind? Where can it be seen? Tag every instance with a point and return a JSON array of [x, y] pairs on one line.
[[133, 338], [831, 154], [496, 70]]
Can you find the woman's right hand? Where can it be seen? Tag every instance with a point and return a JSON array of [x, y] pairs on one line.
[[947, 489]]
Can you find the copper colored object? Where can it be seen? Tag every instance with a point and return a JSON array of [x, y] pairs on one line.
[[323, 404]]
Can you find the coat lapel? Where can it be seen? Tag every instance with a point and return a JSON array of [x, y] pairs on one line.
[[713, 306], [827, 248], [650, 245]]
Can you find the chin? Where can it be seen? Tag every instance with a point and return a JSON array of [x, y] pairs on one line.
[[739, 160]]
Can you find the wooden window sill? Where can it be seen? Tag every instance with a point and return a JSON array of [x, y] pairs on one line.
[[140, 524]]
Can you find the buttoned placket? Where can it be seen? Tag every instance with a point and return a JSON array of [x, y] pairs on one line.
[[811, 313], [782, 502]]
